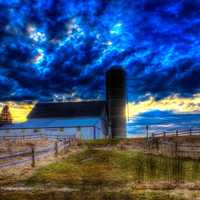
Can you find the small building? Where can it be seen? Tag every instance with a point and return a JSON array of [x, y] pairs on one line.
[[84, 119]]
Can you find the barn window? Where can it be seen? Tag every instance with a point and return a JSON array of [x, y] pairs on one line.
[[78, 129], [78, 132]]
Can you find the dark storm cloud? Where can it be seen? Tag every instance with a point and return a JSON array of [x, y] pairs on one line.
[[182, 78], [65, 47]]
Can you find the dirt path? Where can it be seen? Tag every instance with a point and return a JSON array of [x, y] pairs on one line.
[[39, 189], [182, 191]]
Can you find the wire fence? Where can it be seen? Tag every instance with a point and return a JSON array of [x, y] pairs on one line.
[[178, 143]]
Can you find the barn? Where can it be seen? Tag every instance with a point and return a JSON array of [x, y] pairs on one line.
[[84, 119], [92, 119]]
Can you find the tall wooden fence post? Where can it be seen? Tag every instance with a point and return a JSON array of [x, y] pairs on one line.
[[177, 133], [64, 145], [164, 134], [190, 132], [56, 148], [147, 137], [33, 156], [176, 149]]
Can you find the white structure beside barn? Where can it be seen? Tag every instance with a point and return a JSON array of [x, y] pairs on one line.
[[84, 119]]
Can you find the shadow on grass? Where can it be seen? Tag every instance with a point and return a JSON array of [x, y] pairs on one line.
[[89, 195]]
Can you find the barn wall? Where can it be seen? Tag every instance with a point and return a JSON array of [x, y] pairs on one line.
[[85, 133], [99, 130], [79, 131]]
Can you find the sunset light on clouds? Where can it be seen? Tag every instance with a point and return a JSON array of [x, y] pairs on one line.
[[172, 103], [178, 105]]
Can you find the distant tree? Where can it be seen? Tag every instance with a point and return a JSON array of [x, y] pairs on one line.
[[6, 117]]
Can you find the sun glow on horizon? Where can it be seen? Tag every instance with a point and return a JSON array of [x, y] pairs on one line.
[[171, 103], [19, 112]]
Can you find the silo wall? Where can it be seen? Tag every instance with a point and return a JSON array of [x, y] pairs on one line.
[[116, 101]]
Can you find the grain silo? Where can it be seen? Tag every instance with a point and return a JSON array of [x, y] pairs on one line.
[[116, 101]]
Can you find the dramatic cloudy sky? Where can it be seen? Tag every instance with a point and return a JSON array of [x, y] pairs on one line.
[[59, 48]]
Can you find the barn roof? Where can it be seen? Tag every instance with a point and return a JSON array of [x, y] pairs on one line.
[[68, 109]]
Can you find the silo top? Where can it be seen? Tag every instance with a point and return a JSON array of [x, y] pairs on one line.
[[115, 78], [116, 71], [116, 83]]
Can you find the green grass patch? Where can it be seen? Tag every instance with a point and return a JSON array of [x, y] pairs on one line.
[[99, 167], [102, 142]]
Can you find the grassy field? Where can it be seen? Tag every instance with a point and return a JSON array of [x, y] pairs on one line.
[[101, 167], [101, 172]]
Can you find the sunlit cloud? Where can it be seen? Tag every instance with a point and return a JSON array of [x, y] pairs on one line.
[[39, 58], [116, 29], [34, 34], [172, 103]]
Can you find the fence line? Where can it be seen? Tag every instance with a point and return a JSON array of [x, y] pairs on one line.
[[33, 154], [194, 131], [36, 136]]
